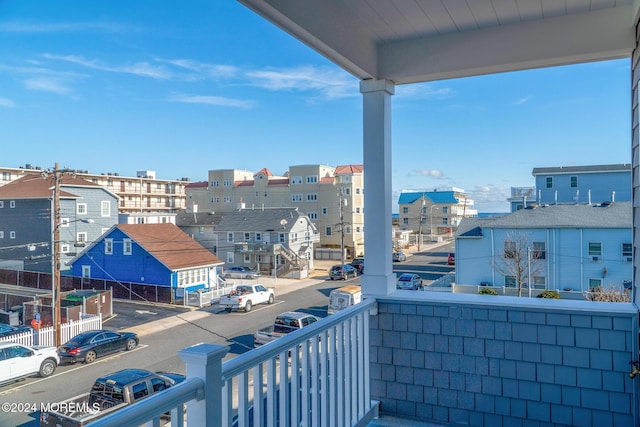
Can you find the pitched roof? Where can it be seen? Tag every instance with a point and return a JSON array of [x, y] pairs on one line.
[[615, 215], [169, 245], [33, 186], [440, 197], [186, 219], [263, 171], [623, 167], [348, 169], [267, 219]]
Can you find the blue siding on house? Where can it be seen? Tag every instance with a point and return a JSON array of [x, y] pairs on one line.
[[139, 267], [601, 184], [488, 365]]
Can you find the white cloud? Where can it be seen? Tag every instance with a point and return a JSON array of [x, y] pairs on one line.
[[423, 91], [432, 173], [47, 84], [330, 83], [143, 69], [203, 70], [213, 100], [6, 102], [523, 100]]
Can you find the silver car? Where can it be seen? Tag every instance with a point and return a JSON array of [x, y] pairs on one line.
[[409, 281], [241, 272]]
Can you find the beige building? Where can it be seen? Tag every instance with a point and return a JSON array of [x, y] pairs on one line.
[[142, 193], [332, 197]]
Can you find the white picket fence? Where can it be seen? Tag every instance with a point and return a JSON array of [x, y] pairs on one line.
[[46, 336]]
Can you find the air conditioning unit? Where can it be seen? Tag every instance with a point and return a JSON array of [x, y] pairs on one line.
[[594, 258], [629, 259]]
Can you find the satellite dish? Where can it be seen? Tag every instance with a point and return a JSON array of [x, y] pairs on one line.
[[283, 222]]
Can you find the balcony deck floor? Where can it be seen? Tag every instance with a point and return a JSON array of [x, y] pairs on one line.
[[390, 421]]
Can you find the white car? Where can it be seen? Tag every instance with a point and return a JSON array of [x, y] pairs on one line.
[[18, 361]]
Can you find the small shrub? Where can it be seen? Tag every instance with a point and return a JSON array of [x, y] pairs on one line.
[[487, 291], [549, 294], [607, 294]]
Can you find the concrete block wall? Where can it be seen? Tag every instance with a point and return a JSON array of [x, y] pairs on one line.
[[479, 364]]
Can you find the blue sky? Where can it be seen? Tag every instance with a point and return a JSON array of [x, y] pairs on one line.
[[123, 86]]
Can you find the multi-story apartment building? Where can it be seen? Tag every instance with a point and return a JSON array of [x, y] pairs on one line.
[[142, 193], [434, 212], [332, 197]]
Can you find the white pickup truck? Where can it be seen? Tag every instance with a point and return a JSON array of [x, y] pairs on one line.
[[285, 323], [244, 297]]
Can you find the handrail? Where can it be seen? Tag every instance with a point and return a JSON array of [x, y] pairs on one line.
[[239, 364], [156, 405]]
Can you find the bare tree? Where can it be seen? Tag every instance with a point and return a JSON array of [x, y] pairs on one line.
[[520, 259]]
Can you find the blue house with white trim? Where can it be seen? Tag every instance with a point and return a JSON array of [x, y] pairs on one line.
[[156, 254], [574, 247]]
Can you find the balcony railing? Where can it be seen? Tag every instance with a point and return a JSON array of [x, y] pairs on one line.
[[317, 376]]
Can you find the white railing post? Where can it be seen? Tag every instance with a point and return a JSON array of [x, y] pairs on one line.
[[204, 361]]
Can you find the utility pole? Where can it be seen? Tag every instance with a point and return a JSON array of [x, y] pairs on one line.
[[342, 201], [422, 212], [57, 175]]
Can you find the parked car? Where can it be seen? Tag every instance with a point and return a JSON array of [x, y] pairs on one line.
[[88, 346], [8, 330], [399, 257], [342, 272], [358, 263], [409, 281], [18, 361], [241, 272], [451, 260]]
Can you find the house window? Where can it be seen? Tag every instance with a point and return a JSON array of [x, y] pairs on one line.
[[595, 248], [108, 246], [445, 221], [539, 282], [346, 191], [445, 210], [357, 229], [227, 199], [247, 237], [294, 237], [594, 283], [357, 209], [86, 271], [227, 183], [405, 221], [105, 208], [126, 247], [64, 222], [312, 197], [281, 238], [1, 234], [230, 259], [81, 237], [539, 251], [312, 179], [509, 281], [549, 182], [296, 180], [200, 230], [81, 209], [324, 211], [12, 234], [258, 237], [230, 237], [574, 182], [627, 249], [509, 249], [247, 259], [405, 210], [1, 204], [215, 200], [347, 230], [215, 183], [312, 215], [327, 231], [296, 197], [12, 204], [357, 190], [64, 249]]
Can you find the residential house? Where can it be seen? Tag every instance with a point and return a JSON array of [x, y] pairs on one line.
[[521, 197], [257, 238], [333, 198], [154, 254], [435, 212], [27, 227], [583, 184], [564, 247], [141, 193]]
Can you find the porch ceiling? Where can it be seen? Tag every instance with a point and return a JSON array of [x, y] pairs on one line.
[[409, 41]]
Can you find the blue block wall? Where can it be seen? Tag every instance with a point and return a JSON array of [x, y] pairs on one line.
[[478, 365]]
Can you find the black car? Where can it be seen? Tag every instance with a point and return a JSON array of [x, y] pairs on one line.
[[342, 272], [358, 263], [8, 330], [88, 346]]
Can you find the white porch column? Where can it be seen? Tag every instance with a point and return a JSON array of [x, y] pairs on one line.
[[379, 278], [635, 165]]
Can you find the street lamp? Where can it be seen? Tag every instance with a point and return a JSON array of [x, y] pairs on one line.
[[422, 212]]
